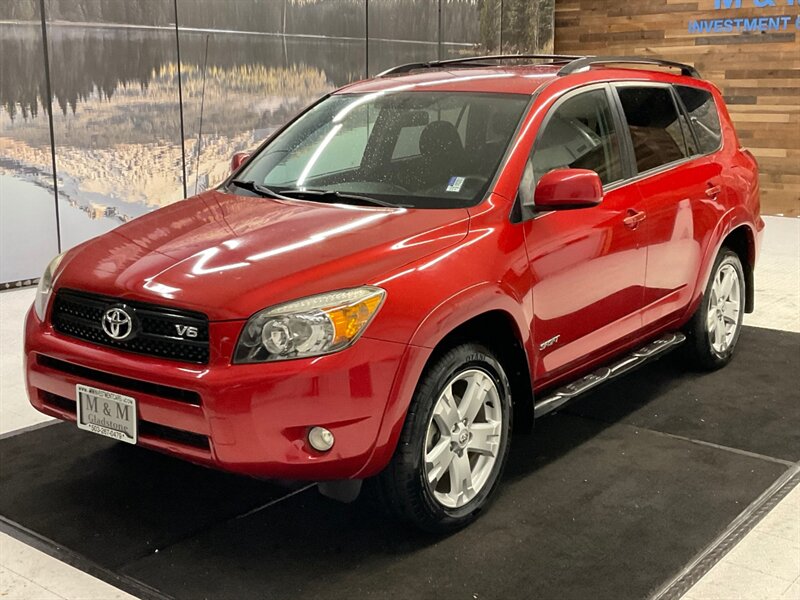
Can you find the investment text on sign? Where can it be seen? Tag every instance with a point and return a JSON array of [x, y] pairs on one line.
[[779, 23]]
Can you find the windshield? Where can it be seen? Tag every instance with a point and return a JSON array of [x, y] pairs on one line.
[[419, 149]]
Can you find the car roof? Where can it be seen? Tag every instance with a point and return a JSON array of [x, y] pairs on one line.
[[460, 75], [522, 79]]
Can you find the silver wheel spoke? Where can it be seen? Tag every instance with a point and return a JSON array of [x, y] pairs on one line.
[[719, 332], [726, 283], [711, 320], [485, 438], [474, 396], [731, 311], [438, 460], [446, 413], [461, 490]]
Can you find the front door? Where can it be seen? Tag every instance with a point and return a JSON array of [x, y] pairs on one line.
[[587, 265]]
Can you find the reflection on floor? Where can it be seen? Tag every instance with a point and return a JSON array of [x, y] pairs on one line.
[[766, 564]]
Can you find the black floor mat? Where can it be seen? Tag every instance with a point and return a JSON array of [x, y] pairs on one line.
[[599, 503], [112, 502], [584, 513], [752, 404]]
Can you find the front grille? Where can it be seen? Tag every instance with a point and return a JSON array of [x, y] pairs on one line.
[[170, 434], [135, 385], [64, 404], [80, 315]]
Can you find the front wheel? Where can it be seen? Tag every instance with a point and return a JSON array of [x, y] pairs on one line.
[[715, 327], [454, 443]]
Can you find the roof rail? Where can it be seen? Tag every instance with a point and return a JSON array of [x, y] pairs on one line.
[[471, 60], [585, 62]]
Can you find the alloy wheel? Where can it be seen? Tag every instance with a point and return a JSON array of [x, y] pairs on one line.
[[724, 306], [462, 441]]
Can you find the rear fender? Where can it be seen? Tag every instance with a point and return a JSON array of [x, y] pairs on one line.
[[734, 219]]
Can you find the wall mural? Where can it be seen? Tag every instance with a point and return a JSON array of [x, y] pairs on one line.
[[246, 67]]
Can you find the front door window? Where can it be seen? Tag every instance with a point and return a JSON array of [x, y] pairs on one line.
[[580, 134]]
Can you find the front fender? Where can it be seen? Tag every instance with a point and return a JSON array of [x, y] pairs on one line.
[[449, 314], [487, 271], [467, 304]]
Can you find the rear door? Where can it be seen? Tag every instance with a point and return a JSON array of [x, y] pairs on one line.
[[588, 265], [678, 187]]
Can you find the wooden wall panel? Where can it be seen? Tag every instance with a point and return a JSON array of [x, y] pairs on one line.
[[758, 73]]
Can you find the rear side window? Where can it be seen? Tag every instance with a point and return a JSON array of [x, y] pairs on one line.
[[703, 115], [580, 134], [655, 126]]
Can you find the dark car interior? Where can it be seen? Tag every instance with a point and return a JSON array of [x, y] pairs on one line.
[[443, 149], [580, 135], [656, 132], [436, 150]]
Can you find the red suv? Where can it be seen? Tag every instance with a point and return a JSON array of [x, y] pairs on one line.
[[407, 267]]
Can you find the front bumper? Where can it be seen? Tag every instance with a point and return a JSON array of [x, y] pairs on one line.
[[249, 419]]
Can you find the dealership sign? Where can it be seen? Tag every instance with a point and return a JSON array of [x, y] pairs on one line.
[[781, 23]]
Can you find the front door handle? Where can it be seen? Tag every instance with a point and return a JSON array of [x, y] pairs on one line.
[[713, 191], [634, 218]]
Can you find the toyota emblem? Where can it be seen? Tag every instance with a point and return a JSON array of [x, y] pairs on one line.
[[118, 323]]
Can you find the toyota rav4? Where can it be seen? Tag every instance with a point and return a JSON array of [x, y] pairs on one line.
[[409, 266]]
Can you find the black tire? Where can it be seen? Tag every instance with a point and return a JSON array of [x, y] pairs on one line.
[[700, 351], [403, 485]]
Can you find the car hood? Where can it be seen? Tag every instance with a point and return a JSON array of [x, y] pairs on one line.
[[230, 256]]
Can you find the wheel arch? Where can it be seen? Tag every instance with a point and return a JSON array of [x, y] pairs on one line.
[[741, 240], [497, 330], [495, 316], [484, 314], [738, 234]]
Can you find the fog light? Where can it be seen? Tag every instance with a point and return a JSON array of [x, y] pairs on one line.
[[320, 439]]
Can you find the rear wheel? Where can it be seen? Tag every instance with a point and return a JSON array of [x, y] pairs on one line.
[[454, 443], [714, 330]]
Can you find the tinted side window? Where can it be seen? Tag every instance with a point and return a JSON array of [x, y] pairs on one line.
[[688, 137], [580, 134], [703, 116], [656, 132]]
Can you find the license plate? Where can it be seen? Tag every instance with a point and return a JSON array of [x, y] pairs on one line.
[[106, 413]]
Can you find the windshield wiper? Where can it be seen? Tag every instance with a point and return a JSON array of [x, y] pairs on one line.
[[318, 195], [252, 186], [333, 196]]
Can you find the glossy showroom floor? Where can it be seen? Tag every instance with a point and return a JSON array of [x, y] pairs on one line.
[[751, 552]]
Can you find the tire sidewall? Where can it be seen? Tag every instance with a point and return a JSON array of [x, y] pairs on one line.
[[462, 359]]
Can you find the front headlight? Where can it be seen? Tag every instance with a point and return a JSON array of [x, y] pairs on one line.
[[45, 287], [308, 327]]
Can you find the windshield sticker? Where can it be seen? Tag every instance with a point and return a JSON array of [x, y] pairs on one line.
[[455, 183]]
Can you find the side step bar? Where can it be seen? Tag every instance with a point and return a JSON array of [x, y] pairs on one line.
[[653, 350]]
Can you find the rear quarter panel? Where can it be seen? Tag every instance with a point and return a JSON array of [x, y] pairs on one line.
[[739, 206]]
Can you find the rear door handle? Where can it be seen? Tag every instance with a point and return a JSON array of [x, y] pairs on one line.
[[713, 191], [634, 218]]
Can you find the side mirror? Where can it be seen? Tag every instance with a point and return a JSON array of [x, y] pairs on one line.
[[237, 160], [565, 189]]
